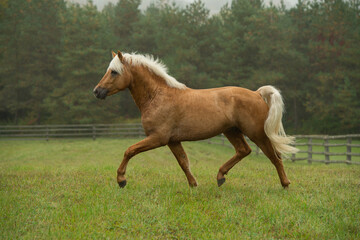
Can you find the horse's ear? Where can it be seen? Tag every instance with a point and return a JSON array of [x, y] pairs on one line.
[[113, 54], [120, 56]]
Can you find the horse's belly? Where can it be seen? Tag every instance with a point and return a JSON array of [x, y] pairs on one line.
[[200, 126]]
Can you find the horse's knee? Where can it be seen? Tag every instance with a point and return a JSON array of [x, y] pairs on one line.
[[129, 153]]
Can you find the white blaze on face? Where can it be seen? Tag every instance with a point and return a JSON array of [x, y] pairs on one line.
[[116, 65]]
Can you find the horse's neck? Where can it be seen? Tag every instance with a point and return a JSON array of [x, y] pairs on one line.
[[144, 86]]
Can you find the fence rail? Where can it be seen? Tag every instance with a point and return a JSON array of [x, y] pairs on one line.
[[332, 149], [93, 131], [313, 148], [316, 148]]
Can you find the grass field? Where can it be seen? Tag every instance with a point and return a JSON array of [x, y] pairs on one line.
[[66, 189]]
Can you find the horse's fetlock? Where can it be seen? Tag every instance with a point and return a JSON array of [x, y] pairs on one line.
[[120, 178], [221, 173], [286, 183], [120, 172], [193, 184]]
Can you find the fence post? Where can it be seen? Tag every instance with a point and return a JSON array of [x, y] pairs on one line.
[[94, 132], [293, 155], [310, 150], [47, 133], [326, 147], [348, 150]]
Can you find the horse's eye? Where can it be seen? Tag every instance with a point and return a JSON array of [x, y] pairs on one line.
[[113, 72]]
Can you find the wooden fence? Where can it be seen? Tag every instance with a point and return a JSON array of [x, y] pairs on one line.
[[47, 132], [313, 148], [316, 148], [331, 149]]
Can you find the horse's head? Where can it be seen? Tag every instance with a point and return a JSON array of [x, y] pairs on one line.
[[116, 78]]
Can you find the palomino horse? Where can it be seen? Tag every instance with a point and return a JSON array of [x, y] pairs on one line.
[[172, 113]]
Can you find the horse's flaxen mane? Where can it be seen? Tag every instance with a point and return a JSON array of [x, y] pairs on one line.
[[154, 65]]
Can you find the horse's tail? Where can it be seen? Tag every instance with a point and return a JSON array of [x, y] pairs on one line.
[[273, 125]]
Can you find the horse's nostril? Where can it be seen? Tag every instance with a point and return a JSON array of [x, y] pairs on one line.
[[100, 92]]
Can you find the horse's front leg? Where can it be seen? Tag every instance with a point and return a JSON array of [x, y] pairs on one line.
[[146, 144], [179, 153]]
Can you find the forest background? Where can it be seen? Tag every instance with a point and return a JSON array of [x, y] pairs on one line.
[[53, 53]]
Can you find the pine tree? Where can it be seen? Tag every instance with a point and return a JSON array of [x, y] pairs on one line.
[[127, 14], [333, 41], [29, 64], [82, 64]]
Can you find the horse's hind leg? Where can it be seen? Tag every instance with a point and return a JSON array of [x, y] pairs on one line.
[[242, 149], [275, 158], [180, 155]]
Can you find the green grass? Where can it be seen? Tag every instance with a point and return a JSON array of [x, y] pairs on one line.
[[66, 189]]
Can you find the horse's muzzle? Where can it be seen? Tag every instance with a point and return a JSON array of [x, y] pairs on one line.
[[100, 93]]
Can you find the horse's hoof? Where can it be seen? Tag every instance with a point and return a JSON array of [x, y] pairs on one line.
[[193, 184], [122, 184], [220, 181], [286, 184]]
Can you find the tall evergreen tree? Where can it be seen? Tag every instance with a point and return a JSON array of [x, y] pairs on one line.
[[334, 30], [127, 14], [82, 64], [32, 36], [238, 56]]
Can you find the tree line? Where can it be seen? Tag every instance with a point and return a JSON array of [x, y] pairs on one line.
[[53, 53]]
